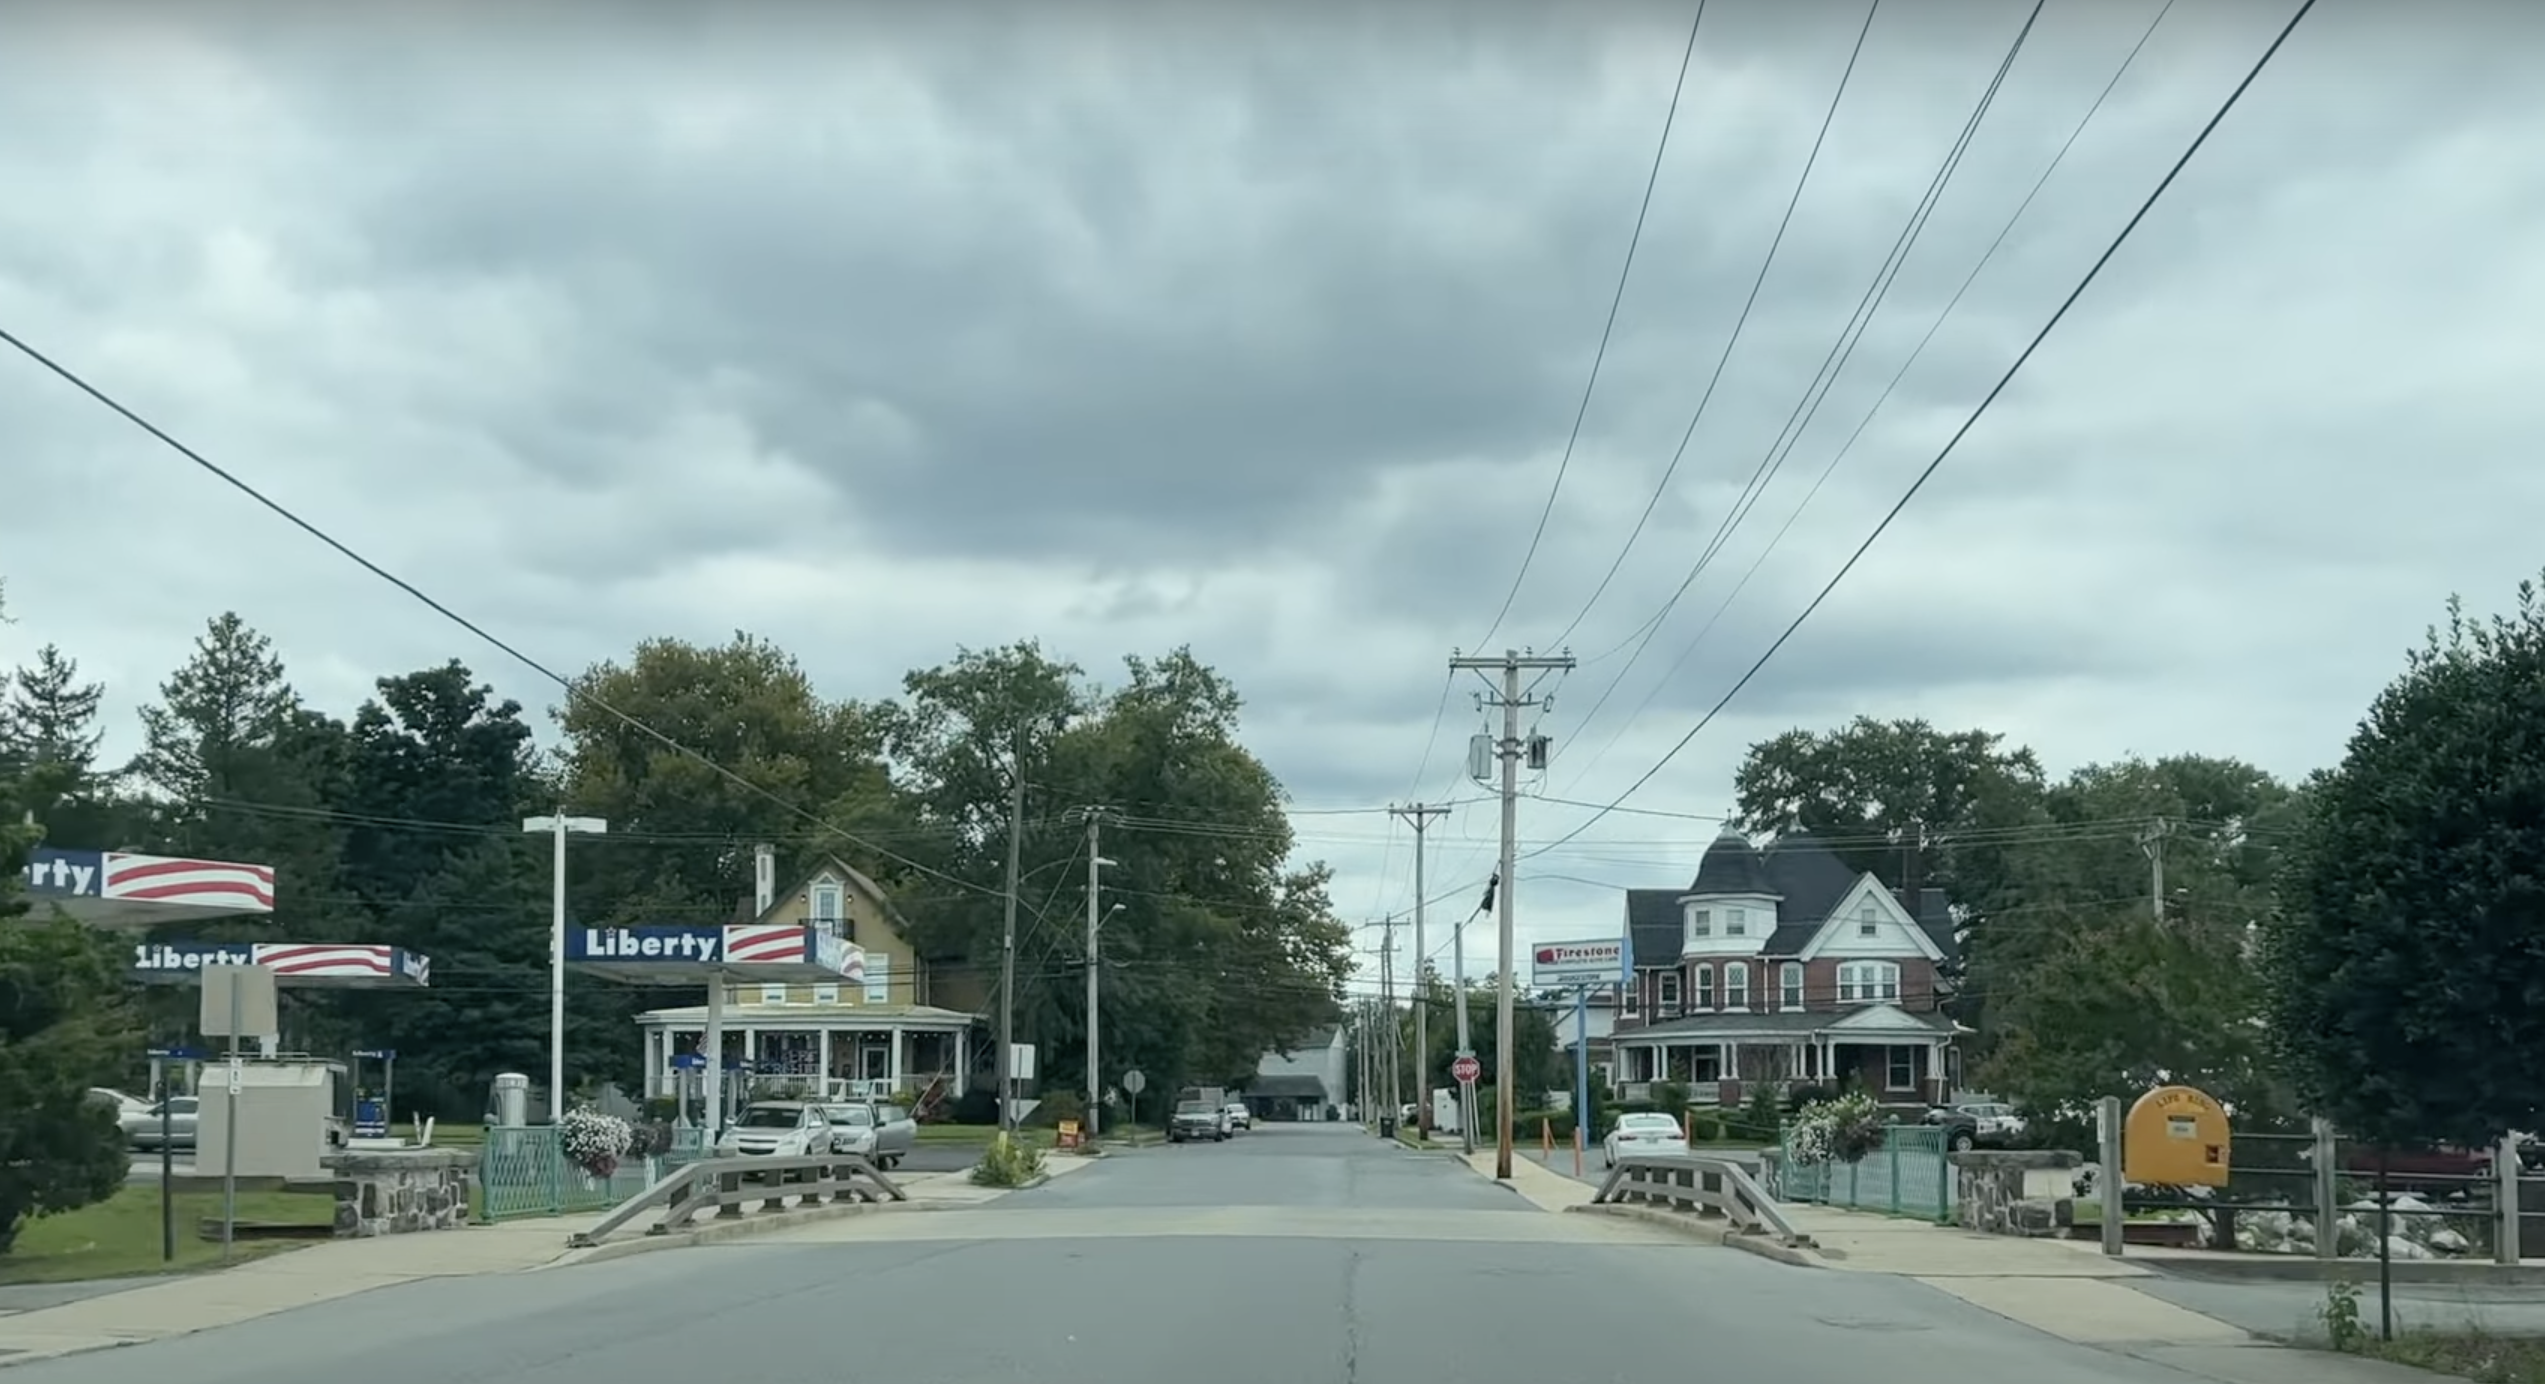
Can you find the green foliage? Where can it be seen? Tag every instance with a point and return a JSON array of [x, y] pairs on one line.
[[2404, 972], [1842, 1130], [64, 1028], [1007, 1163]]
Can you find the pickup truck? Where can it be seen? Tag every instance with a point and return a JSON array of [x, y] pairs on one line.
[[1197, 1119]]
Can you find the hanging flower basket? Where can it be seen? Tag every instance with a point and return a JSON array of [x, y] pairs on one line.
[[593, 1141]]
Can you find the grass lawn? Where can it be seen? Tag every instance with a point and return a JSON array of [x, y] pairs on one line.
[[457, 1136], [980, 1134], [119, 1237], [2476, 1355]]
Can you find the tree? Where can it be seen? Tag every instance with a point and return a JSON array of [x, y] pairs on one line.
[[51, 720], [439, 775], [64, 1028], [1901, 799], [2403, 972]]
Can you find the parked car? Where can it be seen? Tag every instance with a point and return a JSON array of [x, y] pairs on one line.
[[142, 1128], [777, 1128], [1961, 1128], [1239, 1117], [1197, 1119], [1642, 1132], [881, 1133]]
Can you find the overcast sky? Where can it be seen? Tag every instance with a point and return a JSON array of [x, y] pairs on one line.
[[1135, 326]]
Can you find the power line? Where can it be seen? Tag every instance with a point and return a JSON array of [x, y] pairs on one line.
[[1825, 379], [2304, 7], [1565, 463], [572, 689], [1738, 323]]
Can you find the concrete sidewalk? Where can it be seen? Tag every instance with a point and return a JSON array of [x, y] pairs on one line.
[[154, 1308]]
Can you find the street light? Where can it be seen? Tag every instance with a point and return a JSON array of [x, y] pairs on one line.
[[558, 826]]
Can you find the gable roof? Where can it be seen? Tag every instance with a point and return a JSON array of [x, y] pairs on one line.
[[848, 874], [1804, 876]]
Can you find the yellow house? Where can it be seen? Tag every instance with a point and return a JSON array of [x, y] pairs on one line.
[[878, 1037]]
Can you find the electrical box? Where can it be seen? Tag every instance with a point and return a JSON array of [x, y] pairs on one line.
[[1537, 751], [1480, 758]]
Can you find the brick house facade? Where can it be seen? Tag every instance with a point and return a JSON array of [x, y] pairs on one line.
[[1782, 965]]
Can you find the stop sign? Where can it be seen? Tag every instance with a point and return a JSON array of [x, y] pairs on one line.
[[1466, 1069]]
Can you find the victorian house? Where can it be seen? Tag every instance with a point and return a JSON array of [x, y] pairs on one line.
[[1783, 965]]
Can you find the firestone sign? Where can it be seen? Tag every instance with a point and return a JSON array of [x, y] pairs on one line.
[[1577, 963]]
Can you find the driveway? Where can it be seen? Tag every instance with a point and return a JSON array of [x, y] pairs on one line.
[[1291, 1255]]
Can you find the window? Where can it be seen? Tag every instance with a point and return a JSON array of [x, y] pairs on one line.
[[826, 994], [1701, 923], [1903, 1075], [826, 902], [1868, 921], [879, 979], [1868, 980], [1668, 1000], [1735, 922], [1736, 985], [1705, 987], [1634, 997], [773, 994], [1789, 979]]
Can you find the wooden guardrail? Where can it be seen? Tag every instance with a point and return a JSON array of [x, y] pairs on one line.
[[1706, 1186], [729, 1186]]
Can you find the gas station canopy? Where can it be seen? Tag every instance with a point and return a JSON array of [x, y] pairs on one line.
[[687, 955], [116, 889], [294, 964]]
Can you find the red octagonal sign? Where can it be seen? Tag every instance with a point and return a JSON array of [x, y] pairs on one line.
[[1466, 1069]]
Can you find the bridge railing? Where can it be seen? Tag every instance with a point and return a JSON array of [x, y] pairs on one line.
[[1705, 1186], [727, 1188]]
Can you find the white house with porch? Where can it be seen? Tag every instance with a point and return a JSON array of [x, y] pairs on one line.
[[879, 1037]]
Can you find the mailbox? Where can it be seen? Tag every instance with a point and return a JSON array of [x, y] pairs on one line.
[[2175, 1136]]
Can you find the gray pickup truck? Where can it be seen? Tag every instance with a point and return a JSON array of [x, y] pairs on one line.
[[1197, 1119]]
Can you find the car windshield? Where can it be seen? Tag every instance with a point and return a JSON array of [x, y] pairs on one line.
[[768, 1117], [1650, 1124], [852, 1115]]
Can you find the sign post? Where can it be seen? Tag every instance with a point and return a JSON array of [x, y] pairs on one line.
[[237, 1001], [1135, 1081], [1581, 1074]]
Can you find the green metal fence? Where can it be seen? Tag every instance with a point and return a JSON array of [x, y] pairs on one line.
[[523, 1172], [1908, 1176]]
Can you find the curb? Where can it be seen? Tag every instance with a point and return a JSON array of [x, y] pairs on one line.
[[714, 1232], [1708, 1232]]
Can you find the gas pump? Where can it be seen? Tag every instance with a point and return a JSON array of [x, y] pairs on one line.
[[371, 1116]]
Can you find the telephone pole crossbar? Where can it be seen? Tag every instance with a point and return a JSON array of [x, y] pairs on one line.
[[1509, 695]]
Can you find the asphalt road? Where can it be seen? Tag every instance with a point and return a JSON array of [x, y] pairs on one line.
[[1291, 1255]]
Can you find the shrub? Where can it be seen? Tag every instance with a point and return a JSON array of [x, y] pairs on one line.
[[1007, 1163]]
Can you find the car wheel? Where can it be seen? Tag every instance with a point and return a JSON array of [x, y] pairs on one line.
[[1961, 1141]]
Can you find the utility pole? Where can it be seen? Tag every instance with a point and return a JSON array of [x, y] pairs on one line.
[[1095, 927], [2152, 841], [1007, 940], [1466, 1048], [1421, 816], [1387, 1008], [1510, 697]]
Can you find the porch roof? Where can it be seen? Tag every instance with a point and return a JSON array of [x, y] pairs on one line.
[[813, 1018], [1873, 1024]]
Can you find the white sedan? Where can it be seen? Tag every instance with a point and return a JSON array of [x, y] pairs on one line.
[[1643, 1133]]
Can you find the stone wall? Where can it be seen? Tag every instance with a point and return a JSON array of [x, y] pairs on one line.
[[2015, 1192], [400, 1191]]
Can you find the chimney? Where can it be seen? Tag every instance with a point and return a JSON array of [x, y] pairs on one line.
[[764, 878]]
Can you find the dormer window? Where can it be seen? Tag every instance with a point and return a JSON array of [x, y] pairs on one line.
[[1736, 985], [1701, 923], [826, 903], [1868, 921], [1705, 987], [1736, 922]]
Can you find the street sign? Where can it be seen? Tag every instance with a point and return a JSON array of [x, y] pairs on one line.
[[1594, 961], [1466, 1069], [237, 1069], [1135, 1081]]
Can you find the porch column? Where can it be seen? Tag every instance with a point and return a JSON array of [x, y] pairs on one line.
[[1938, 1092], [822, 1061], [959, 1044], [892, 1066]]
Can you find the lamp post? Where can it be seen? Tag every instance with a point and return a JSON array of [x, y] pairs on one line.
[[558, 826]]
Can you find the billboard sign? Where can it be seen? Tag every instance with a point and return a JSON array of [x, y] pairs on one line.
[[1594, 962]]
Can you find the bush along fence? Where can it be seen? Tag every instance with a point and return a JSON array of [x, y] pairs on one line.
[[1848, 1152], [582, 1165]]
